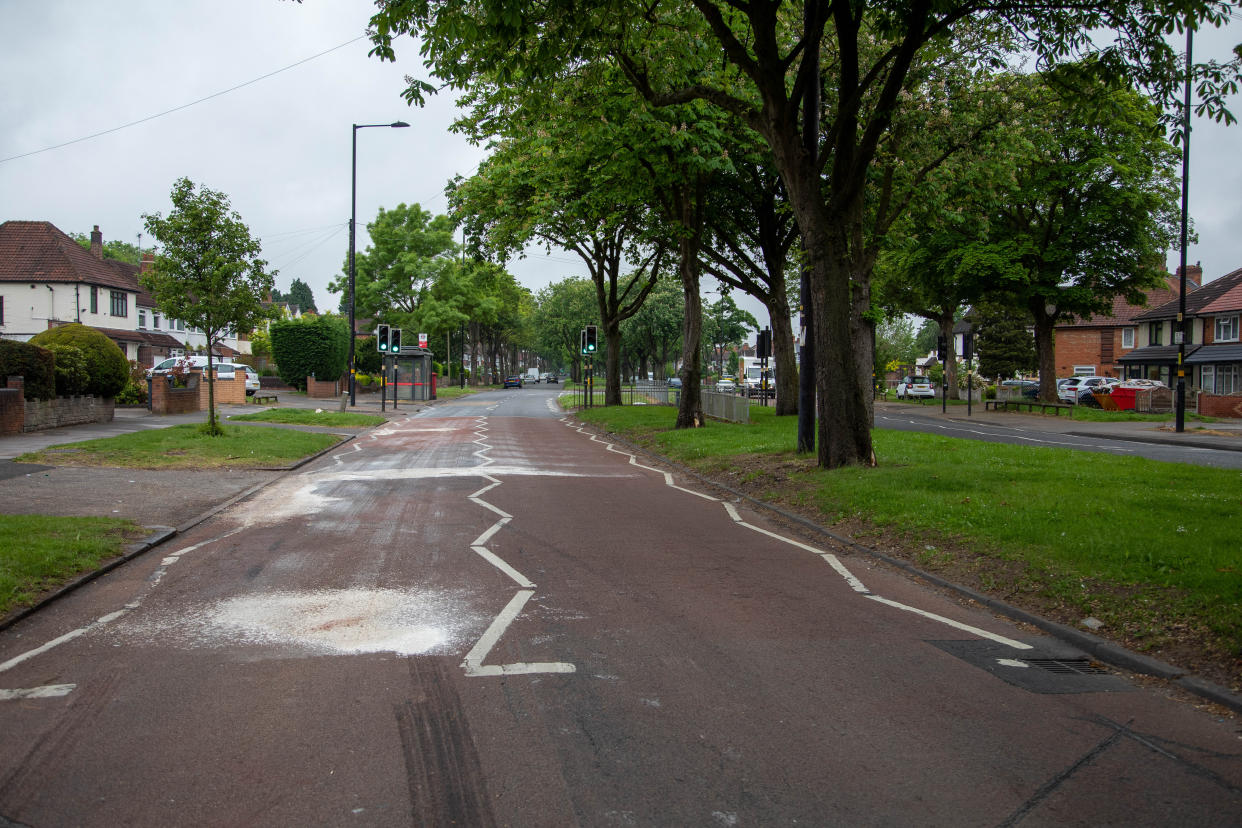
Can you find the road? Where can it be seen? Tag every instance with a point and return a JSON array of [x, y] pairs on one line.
[[486, 615], [1054, 434]]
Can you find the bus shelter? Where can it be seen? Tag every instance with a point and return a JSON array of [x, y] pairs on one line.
[[409, 375]]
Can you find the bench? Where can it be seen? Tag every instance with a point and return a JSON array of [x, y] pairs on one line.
[[1029, 405], [263, 399]]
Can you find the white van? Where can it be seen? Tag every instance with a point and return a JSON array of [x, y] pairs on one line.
[[224, 369]]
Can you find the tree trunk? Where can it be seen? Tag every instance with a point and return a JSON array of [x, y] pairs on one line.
[[945, 323], [612, 362], [784, 361], [1045, 350]]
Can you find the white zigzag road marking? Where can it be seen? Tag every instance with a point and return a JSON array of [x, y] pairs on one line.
[[832, 560]]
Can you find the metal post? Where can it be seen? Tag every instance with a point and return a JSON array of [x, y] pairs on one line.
[[353, 217], [383, 383], [1180, 423]]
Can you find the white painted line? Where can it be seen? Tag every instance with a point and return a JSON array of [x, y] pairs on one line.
[[47, 691], [1011, 662], [489, 506], [495, 527], [498, 562], [831, 559], [473, 663], [56, 642], [999, 639]]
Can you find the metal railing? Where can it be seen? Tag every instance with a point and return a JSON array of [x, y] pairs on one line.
[[731, 407]]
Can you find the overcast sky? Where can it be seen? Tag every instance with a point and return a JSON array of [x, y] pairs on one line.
[[280, 147]]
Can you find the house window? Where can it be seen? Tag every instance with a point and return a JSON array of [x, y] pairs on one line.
[[1227, 328], [1228, 379], [94, 299], [120, 303], [155, 320], [1154, 331], [142, 319], [180, 325], [1, 310], [1127, 337]]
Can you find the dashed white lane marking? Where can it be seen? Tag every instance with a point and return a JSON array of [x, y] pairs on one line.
[[832, 560], [473, 663], [1017, 435], [47, 691]]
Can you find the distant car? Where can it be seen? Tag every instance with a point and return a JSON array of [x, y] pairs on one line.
[[550, 378], [1072, 390], [514, 381], [725, 385], [252, 380], [915, 387], [1027, 389], [674, 382]]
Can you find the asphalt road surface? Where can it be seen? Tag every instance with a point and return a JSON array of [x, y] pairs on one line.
[[1021, 435], [484, 615]]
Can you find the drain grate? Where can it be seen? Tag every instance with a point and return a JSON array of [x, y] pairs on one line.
[[1074, 666]]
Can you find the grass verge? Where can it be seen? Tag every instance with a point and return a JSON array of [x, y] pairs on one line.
[[185, 447], [39, 552], [307, 416], [1149, 548]]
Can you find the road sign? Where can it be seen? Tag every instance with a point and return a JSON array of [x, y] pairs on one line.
[[422, 340]]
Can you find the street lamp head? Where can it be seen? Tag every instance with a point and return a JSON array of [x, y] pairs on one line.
[[396, 124]]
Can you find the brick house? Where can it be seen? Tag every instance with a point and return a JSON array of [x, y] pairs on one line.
[[1097, 345], [1213, 344], [48, 279]]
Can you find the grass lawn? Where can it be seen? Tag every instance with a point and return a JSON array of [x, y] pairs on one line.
[[307, 416], [185, 447], [38, 552], [1150, 548]]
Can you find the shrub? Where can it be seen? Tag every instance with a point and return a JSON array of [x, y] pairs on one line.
[[135, 391], [72, 373], [34, 364], [106, 364], [310, 346], [366, 358]]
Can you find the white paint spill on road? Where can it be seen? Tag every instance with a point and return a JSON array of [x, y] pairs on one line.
[[328, 621]]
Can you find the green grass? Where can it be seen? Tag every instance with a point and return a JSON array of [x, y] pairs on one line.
[[307, 416], [1098, 415], [38, 552], [450, 392], [185, 447], [1133, 541]]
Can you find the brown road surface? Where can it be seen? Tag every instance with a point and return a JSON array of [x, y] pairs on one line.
[[483, 615]]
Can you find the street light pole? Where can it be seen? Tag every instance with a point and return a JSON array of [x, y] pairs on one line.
[[1179, 422], [353, 220]]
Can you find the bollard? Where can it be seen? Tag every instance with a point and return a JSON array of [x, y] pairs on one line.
[[344, 401]]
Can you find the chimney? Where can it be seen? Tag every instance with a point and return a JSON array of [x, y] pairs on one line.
[[148, 263], [1194, 277], [97, 243]]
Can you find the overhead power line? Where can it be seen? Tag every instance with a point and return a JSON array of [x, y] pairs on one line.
[[183, 106]]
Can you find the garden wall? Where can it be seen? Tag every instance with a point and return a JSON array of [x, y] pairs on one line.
[[18, 414], [1213, 405]]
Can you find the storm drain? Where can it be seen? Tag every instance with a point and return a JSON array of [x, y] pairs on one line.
[[1050, 666], [1075, 666]]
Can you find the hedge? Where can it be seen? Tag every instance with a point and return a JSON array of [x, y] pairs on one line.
[[106, 364], [310, 346], [34, 364]]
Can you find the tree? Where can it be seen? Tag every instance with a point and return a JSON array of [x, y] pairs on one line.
[[564, 308], [765, 69], [114, 249], [301, 295], [208, 272], [1003, 340], [409, 250], [310, 346], [725, 325]]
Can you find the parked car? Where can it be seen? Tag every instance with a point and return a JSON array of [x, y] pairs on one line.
[[514, 381], [252, 381], [187, 363], [1026, 389], [725, 385], [1074, 387], [674, 382], [912, 387]]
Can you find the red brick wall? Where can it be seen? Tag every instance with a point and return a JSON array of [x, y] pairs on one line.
[[321, 390], [1081, 346], [228, 392], [168, 400], [1211, 405], [12, 410]]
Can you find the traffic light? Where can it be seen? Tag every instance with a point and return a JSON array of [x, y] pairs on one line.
[[592, 338], [942, 349], [968, 346], [582, 341], [763, 345], [394, 341], [381, 339]]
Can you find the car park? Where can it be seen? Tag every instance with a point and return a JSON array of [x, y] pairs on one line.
[[514, 381], [915, 388]]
